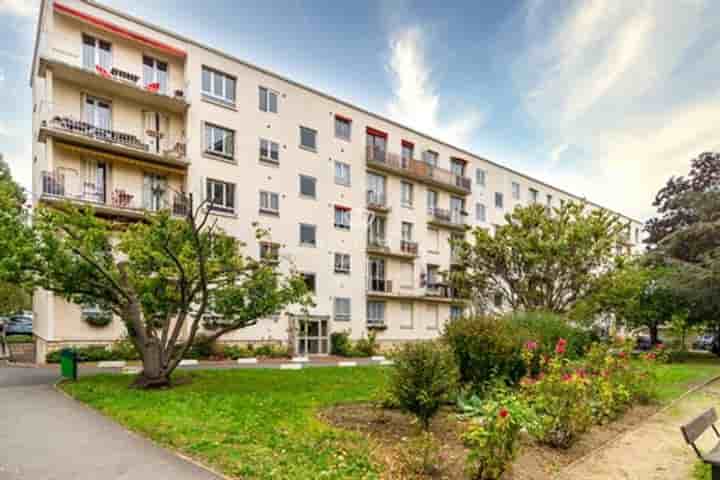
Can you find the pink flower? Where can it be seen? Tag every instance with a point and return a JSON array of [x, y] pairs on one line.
[[660, 346], [621, 354], [531, 345], [504, 413], [560, 347], [567, 377], [651, 356]]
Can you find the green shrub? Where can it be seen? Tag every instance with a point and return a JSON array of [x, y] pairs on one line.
[[271, 351], [484, 348], [125, 349], [419, 456], [423, 377], [90, 353], [493, 436], [366, 346], [234, 352], [546, 329], [19, 339], [201, 348], [340, 344]]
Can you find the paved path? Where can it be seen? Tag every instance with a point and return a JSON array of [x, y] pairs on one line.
[[46, 436], [655, 450]]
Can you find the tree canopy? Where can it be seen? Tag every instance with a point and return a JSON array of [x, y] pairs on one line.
[[540, 259]]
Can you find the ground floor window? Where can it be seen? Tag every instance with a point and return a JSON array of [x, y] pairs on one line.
[[375, 313], [312, 335]]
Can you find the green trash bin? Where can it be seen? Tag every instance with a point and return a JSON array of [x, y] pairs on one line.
[[68, 364]]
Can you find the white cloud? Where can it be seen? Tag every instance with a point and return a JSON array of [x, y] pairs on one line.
[[631, 85], [415, 99], [20, 8]]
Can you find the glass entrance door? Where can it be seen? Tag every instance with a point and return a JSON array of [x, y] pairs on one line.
[[312, 336]]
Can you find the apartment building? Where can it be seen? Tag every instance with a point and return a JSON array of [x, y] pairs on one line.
[[127, 115]]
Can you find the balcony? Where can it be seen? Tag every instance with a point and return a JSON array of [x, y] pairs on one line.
[[379, 287], [453, 219], [383, 248], [59, 187], [377, 201], [441, 292], [417, 170], [66, 128]]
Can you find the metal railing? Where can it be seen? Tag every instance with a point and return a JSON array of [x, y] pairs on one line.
[[379, 285], [453, 217], [417, 168], [376, 199], [68, 185], [410, 248], [377, 242], [441, 290]]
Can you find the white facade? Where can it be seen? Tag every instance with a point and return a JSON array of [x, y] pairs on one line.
[[218, 137]]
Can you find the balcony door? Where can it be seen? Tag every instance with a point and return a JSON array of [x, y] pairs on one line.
[[156, 131], [457, 207], [376, 189], [376, 232], [94, 188], [154, 191], [377, 146], [376, 274], [312, 335], [458, 167], [98, 113]]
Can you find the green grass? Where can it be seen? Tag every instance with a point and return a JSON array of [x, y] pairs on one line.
[[674, 379], [253, 423], [701, 471]]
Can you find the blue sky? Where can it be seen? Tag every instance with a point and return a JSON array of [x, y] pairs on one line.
[[603, 98]]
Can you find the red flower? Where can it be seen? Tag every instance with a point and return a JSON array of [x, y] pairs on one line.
[[560, 347], [504, 413], [531, 345], [567, 377], [651, 356], [660, 346], [621, 354]]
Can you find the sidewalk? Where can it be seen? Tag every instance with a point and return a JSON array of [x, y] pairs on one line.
[[655, 450]]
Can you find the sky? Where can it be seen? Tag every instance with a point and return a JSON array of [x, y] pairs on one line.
[[606, 99]]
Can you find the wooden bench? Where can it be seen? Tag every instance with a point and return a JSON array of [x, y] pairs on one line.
[[693, 430]]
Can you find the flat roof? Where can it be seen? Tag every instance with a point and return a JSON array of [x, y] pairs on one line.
[[228, 56]]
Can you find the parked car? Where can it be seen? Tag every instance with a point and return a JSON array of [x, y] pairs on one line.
[[643, 342], [704, 342], [19, 325]]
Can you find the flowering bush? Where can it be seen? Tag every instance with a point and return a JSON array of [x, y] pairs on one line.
[[560, 396], [494, 434]]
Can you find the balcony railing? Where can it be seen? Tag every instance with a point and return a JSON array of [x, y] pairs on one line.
[[376, 200], [80, 127], [441, 290], [380, 285], [448, 217], [409, 248], [418, 169]]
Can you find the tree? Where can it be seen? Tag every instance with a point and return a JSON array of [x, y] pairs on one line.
[[674, 212], [541, 259], [159, 276], [13, 298]]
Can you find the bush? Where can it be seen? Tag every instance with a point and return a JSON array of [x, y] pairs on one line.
[[367, 346], [423, 377], [420, 456], [484, 348], [19, 339], [271, 351], [493, 436], [91, 353], [201, 348], [340, 344], [547, 328], [234, 352]]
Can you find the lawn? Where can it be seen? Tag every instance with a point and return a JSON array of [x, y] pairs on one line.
[[250, 423], [262, 423]]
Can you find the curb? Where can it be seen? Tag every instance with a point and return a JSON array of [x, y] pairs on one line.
[[662, 409], [172, 451]]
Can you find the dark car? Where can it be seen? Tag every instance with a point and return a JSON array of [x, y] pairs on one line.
[[643, 343], [704, 342], [19, 325]]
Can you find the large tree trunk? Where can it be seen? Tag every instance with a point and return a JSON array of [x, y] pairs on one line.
[[653, 327], [154, 374]]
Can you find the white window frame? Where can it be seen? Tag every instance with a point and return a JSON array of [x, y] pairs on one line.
[[344, 121], [480, 212], [155, 73], [433, 317], [515, 191], [406, 231], [431, 157], [501, 203], [266, 202], [411, 308], [534, 195], [407, 193], [96, 52], [480, 177], [342, 263], [375, 313], [268, 146], [222, 206], [345, 173], [342, 309], [268, 93], [314, 182], [224, 97], [314, 230], [343, 216], [228, 146], [315, 138]]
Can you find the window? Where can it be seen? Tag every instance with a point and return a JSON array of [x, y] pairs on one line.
[[95, 313], [342, 262], [269, 151], [307, 186], [430, 157], [376, 313], [155, 188], [407, 231], [406, 194], [269, 202], [533, 195], [549, 199], [270, 251], [376, 232], [457, 166], [499, 200], [155, 73], [498, 300], [98, 113], [480, 212], [342, 309], [268, 100], [342, 217], [97, 53], [456, 312], [376, 189], [480, 177], [218, 86], [515, 191], [309, 279], [308, 138], [221, 196], [342, 127], [376, 145], [434, 237], [432, 200], [219, 141], [433, 317], [342, 173], [637, 235], [307, 234], [408, 152], [406, 316]]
